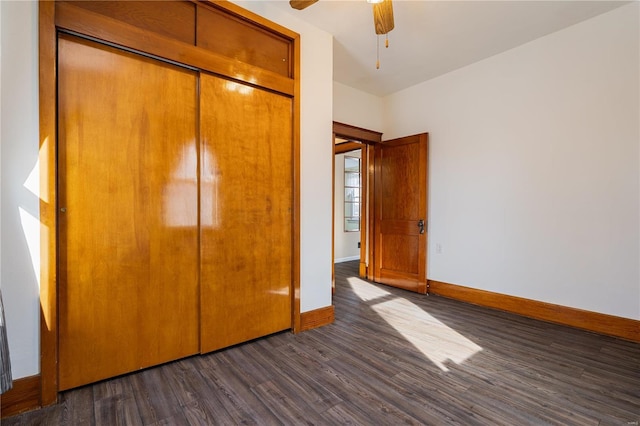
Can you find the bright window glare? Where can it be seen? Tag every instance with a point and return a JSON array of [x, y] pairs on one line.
[[437, 341]]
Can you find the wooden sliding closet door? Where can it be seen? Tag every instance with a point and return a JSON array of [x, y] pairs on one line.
[[246, 212], [128, 212]]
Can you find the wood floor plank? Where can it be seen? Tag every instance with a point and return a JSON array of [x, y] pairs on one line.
[[155, 399], [290, 372], [255, 368], [79, 406], [116, 410], [119, 386], [197, 414], [240, 404], [345, 414], [378, 392], [290, 409], [390, 357], [194, 392], [182, 378]]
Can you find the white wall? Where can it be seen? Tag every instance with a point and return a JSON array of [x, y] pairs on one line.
[[316, 154], [357, 108], [534, 167], [345, 244], [20, 198]]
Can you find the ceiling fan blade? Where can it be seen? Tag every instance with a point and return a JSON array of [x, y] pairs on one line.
[[383, 17], [301, 4]]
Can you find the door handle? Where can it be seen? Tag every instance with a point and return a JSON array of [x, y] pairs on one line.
[[421, 225]]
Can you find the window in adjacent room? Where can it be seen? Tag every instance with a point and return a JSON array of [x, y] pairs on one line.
[[351, 194]]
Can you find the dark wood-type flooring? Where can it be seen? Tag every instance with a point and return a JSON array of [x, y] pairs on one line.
[[391, 357]]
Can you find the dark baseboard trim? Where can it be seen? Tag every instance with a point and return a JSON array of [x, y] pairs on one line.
[[610, 325], [24, 396], [316, 318]]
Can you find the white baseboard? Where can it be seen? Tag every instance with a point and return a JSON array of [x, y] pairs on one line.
[[347, 259]]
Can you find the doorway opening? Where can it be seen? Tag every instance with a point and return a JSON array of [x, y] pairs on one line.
[[390, 204], [352, 177], [349, 201]]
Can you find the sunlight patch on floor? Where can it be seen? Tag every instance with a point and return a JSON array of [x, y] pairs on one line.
[[366, 291], [437, 341]]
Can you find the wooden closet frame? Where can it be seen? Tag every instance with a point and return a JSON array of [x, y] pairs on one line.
[[108, 30]]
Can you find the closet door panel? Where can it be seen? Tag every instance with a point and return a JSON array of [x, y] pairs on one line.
[[246, 212], [128, 212]]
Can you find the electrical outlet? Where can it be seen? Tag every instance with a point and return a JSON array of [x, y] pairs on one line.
[[438, 248]]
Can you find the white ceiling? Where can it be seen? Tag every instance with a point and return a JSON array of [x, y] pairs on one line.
[[432, 38]]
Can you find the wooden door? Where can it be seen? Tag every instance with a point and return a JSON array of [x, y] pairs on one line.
[[128, 212], [246, 212], [400, 210]]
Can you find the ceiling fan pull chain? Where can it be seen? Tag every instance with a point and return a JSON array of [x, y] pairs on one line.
[[386, 41], [377, 52]]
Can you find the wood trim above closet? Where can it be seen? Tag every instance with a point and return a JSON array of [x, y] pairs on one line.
[[173, 19], [249, 16], [81, 21]]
